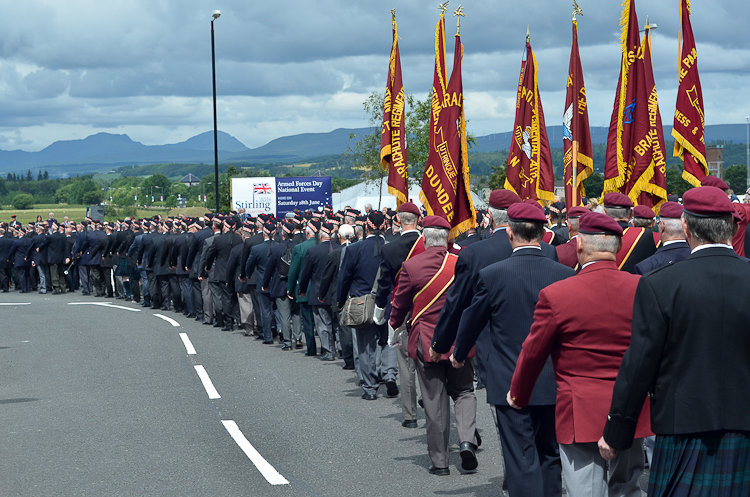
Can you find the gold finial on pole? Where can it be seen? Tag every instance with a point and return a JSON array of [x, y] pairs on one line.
[[443, 8], [393, 16], [528, 34], [576, 10], [459, 12]]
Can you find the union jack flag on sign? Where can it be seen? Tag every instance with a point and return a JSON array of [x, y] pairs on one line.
[[262, 188]]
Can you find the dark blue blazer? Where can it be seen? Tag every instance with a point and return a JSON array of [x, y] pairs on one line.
[[359, 269], [6, 245], [471, 260], [19, 256], [505, 298], [57, 250], [196, 249], [272, 281], [312, 272], [258, 260], [665, 255]]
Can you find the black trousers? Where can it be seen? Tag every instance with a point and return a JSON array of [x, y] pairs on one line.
[[217, 293], [176, 291], [154, 290], [530, 450], [107, 280], [95, 280], [197, 297], [164, 290], [4, 279], [22, 273]]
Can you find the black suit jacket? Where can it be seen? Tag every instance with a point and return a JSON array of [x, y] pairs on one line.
[[359, 269], [57, 250], [6, 244], [251, 242], [329, 280], [233, 271], [272, 281], [156, 250], [196, 249], [644, 249], [218, 253], [470, 261], [689, 350], [665, 255], [392, 255], [469, 240], [312, 272], [257, 260]]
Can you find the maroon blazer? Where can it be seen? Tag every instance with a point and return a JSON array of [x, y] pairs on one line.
[[584, 322], [566, 253], [415, 274]]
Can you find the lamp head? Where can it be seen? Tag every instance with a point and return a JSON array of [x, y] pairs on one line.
[[216, 14]]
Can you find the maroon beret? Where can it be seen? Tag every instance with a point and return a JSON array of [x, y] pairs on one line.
[[595, 223], [644, 212], [617, 200], [502, 199], [714, 181], [708, 201], [435, 222], [531, 201], [575, 212], [526, 213], [671, 210], [410, 208]]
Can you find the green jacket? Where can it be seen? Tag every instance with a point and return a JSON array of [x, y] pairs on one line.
[[295, 268]]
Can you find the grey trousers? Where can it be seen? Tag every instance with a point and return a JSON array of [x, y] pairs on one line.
[[208, 302], [586, 471], [289, 317], [388, 360], [367, 346], [407, 378], [324, 325], [83, 277], [440, 381], [247, 312], [57, 277]]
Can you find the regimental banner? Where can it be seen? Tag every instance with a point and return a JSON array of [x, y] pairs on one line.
[[393, 142], [689, 121], [530, 173], [648, 183], [577, 148], [618, 164], [445, 184], [278, 196], [636, 158]]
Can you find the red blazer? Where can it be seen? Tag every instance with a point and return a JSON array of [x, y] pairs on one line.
[[584, 322], [738, 240], [415, 274], [566, 253]]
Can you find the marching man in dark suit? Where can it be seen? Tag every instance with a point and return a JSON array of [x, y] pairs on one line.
[[689, 353], [421, 291], [586, 350], [505, 297], [637, 243], [310, 278], [673, 247], [566, 253], [391, 258]]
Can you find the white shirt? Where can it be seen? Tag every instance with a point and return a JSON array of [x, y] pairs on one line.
[[527, 247], [711, 245]]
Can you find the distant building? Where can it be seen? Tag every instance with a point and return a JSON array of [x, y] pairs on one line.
[[190, 180], [715, 159]]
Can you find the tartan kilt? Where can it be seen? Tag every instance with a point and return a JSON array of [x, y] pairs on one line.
[[123, 267], [710, 464]]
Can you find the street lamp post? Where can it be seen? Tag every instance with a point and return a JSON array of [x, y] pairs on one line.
[[215, 15]]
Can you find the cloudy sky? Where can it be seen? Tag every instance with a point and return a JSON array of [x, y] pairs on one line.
[[143, 67]]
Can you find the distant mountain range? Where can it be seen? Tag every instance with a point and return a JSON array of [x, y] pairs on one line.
[[103, 151]]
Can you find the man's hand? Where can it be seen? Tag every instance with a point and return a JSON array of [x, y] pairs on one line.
[[434, 355], [242, 279], [322, 301], [67, 261], [379, 316], [607, 452], [200, 278], [302, 294], [263, 289], [291, 297], [509, 399], [455, 363]]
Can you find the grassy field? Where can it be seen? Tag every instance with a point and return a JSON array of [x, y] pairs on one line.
[[78, 212]]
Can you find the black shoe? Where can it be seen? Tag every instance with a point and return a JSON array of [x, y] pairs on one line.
[[218, 325], [259, 337], [409, 423], [347, 367], [438, 471], [120, 297], [267, 342], [298, 344], [479, 439], [286, 347], [311, 354], [228, 328], [468, 458], [391, 389], [421, 403], [191, 315], [369, 396], [165, 308], [380, 380]]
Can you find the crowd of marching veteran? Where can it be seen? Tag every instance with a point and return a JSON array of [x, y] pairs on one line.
[[607, 339]]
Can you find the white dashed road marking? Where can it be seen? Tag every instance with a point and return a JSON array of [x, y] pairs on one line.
[[168, 320], [188, 344], [105, 304], [269, 472], [15, 303], [210, 389]]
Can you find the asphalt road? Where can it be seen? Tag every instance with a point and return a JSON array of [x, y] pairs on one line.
[[101, 400]]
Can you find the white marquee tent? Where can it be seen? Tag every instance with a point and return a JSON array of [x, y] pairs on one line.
[[370, 193]]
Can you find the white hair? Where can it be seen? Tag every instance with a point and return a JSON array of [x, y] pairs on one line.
[[436, 237], [346, 232]]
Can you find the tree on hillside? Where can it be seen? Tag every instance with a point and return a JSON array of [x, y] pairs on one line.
[[675, 184], [594, 185], [736, 177]]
